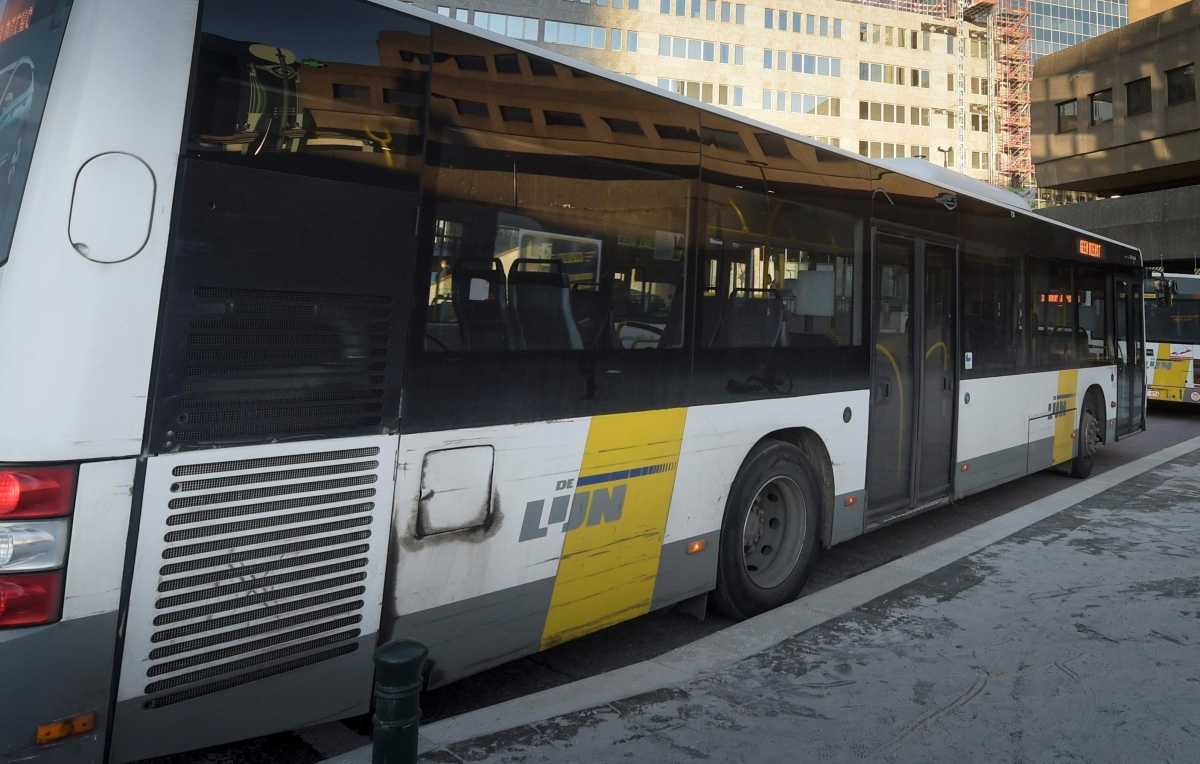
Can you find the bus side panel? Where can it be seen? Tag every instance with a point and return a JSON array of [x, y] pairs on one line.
[[1019, 424], [57, 671], [993, 430], [587, 524], [256, 592], [1170, 372]]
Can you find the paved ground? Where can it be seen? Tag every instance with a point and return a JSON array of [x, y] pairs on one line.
[[1075, 639], [659, 632]]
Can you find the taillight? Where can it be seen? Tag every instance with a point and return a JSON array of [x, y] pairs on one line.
[[35, 503], [30, 492], [31, 599]]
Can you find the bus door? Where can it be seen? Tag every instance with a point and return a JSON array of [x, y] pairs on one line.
[[1131, 355], [910, 442]]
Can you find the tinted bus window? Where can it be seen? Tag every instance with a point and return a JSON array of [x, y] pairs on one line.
[[992, 312], [1091, 297], [289, 273], [561, 208], [1052, 314], [1174, 315], [31, 33]]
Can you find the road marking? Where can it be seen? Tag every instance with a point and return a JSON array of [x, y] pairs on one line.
[[742, 640]]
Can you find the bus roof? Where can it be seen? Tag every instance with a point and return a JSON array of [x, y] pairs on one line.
[[920, 170]]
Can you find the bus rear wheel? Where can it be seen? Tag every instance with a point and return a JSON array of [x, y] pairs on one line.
[[1091, 437], [769, 535]]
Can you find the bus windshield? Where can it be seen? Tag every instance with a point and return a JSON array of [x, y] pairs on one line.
[[31, 34], [1173, 310]]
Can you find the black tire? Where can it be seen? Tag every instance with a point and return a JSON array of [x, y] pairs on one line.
[[775, 483], [1089, 440]]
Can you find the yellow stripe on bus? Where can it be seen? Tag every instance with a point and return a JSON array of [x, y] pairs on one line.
[[608, 566], [1064, 423], [1169, 373]]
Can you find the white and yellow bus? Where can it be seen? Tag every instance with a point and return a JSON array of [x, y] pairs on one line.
[[1172, 337], [329, 322]]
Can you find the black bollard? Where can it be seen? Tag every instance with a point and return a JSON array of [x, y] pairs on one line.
[[398, 668]]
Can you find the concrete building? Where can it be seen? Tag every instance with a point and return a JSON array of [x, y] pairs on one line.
[[879, 81], [1118, 116]]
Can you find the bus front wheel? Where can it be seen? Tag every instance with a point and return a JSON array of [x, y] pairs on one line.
[[1090, 439], [769, 535]]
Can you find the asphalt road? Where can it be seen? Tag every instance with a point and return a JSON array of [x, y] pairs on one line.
[[659, 632]]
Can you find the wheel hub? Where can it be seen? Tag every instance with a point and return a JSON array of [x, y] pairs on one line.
[[773, 532]]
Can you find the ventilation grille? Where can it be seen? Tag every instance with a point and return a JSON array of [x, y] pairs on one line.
[[257, 365], [263, 570]]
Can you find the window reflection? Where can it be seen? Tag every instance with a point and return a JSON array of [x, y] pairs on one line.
[[565, 230]]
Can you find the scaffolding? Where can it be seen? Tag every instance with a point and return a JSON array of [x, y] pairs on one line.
[[1010, 74]]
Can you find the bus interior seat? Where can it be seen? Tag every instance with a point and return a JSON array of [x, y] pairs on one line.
[[753, 318], [540, 301], [479, 304]]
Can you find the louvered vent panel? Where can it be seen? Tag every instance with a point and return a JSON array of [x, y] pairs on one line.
[[258, 364], [263, 569]]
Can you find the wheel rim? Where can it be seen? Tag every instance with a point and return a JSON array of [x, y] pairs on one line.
[[773, 532]]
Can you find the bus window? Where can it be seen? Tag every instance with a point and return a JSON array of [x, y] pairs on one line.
[[992, 307], [1091, 299], [569, 247], [1052, 314], [30, 37], [1173, 311]]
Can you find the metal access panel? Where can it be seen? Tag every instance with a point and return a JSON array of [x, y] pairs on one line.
[[256, 592]]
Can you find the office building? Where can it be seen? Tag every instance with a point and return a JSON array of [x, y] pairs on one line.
[[1118, 116], [1058, 24]]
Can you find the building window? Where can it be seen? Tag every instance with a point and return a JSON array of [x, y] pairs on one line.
[[837, 28], [737, 95], [526, 28], [1068, 113], [1181, 85], [351, 92], [710, 10], [740, 14], [950, 83], [769, 18], [463, 15], [444, 10], [1102, 107], [726, 12], [631, 39], [949, 44], [1137, 97], [768, 58], [862, 31], [738, 55]]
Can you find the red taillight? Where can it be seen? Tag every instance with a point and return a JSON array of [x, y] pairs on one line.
[[30, 599], [30, 492]]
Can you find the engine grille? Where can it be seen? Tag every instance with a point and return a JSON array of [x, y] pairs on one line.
[[261, 566]]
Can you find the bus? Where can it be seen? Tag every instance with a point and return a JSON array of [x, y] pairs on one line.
[[333, 322], [1172, 337]]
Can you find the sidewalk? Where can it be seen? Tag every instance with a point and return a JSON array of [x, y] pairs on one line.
[[1076, 638]]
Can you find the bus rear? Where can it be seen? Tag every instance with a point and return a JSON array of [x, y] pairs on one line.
[[1173, 337]]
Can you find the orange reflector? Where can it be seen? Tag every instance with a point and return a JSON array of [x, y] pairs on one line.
[[80, 724], [965, 467], [695, 547], [851, 501]]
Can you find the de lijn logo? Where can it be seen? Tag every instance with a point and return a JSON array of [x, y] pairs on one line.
[[593, 505], [599, 505]]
